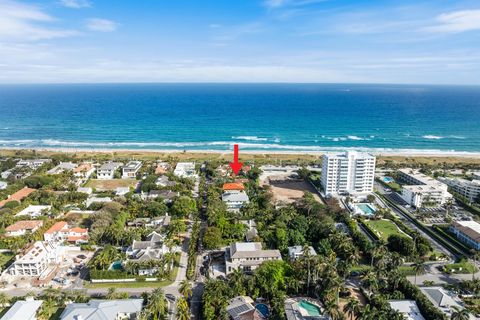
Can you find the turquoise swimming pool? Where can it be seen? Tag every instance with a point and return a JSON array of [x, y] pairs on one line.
[[312, 310], [117, 265], [387, 179], [366, 208]]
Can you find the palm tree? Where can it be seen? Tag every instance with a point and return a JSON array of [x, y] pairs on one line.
[[4, 299], [47, 309], [331, 308], [185, 289], [157, 305], [460, 314], [111, 294], [418, 267], [183, 311], [351, 307]]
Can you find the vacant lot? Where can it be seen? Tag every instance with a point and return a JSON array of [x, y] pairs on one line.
[[103, 185], [384, 228], [290, 191]]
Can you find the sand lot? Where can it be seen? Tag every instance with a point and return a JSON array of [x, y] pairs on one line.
[[290, 191], [104, 185]]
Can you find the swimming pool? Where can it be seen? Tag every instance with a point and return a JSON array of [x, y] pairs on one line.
[[117, 265], [312, 310], [387, 179], [366, 208], [263, 309]]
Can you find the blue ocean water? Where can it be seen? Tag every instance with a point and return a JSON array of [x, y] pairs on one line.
[[296, 117]]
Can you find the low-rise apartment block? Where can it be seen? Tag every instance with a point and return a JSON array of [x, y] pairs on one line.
[[469, 189], [248, 256], [421, 190], [36, 259], [468, 232], [131, 169]]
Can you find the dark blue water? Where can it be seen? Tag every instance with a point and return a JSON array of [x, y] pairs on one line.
[[297, 117]]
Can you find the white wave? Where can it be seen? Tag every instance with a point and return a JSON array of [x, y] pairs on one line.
[[456, 137], [355, 138], [432, 137], [249, 138], [276, 140]]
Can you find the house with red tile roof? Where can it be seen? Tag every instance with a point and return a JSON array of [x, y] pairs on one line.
[[20, 228], [17, 196], [61, 231], [234, 186]]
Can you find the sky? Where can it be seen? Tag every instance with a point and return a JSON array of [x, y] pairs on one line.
[[325, 41]]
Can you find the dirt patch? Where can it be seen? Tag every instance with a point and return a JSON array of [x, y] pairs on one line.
[[290, 190], [103, 185]]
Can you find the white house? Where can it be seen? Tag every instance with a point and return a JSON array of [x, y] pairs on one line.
[[296, 252], [62, 167], [61, 231], [23, 310], [22, 227], [248, 256], [107, 170], [152, 248], [103, 309], [33, 163], [408, 308], [35, 211], [84, 171], [235, 200], [185, 170], [130, 170], [37, 259], [350, 172]]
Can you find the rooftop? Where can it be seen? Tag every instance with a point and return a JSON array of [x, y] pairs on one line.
[[233, 186], [57, 227], [18, 196], [101, 309], [24, 225], [408, 308], [23, 310], [469, 228]]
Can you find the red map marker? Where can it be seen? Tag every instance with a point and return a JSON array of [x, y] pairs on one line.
[[235, 165]]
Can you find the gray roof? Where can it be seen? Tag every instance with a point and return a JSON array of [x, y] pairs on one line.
[[252, 250], [153, 240], [299, 250], [110, 166], [234, 197], [101, 309], [23, 310]]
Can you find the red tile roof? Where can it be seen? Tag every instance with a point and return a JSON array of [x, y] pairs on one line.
[[233, 186], [24, 225], [18, 196], [56, 227]]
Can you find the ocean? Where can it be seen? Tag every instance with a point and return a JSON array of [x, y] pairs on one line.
[[263, 117]]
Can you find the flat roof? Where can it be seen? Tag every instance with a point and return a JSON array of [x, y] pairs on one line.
[[408, 308]]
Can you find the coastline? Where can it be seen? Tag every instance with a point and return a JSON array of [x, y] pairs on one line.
[[381, 153]]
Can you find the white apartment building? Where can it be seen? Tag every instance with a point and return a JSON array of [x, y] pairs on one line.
[[131, 169], [350, 172], [248, 256], [107, 170], [468, 232], [466, 188], [421, 190], [36, 259]]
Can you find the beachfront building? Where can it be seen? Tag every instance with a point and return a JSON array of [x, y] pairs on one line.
[[84, 171], [470, 189], [247, 256], [103, 309], [35, 211], [23, 227], [131, 169], [23, 310], [296, 252], [420, 190], [62, 167], [61, 231], [350, 172], [408, 308], [468, 232], [17, 196], [37, 259], [235, 200], [33, 164], [185, 170], [107, 170]]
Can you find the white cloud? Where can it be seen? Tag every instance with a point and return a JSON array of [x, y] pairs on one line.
[[101, 25], [273, 4], [457, 21], [75, 4], [23, 22]]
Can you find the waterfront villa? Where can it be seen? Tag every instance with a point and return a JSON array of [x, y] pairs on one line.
[[62, 167], [107, 170], [130, 170], [33, 164], [248, 256], [23, 227], [468, 232], [103, 309], [185, 170], [84, 171]]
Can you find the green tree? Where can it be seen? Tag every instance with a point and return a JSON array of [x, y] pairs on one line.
[[460, 314], [185, 289], [183, 206], [352, 308], [212, 238], [183, 311]]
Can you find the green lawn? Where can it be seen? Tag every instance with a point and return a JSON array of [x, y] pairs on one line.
[[384, 228], [5, 258], [465, 266]]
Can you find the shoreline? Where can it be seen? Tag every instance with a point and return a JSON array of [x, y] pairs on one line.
[[378, 152]]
